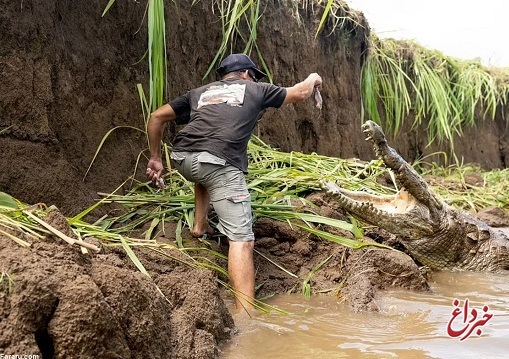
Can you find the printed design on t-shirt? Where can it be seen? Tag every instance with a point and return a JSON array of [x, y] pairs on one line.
[[232, 95]]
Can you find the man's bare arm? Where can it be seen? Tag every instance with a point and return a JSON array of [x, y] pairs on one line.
[[155, 128], [303, 90]]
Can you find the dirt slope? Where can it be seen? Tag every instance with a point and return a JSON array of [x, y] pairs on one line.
[[67, 305]]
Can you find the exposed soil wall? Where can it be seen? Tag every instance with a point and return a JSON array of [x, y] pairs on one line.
[[69, 76], [485, 144]]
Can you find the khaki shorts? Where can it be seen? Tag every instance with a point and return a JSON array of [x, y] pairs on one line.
[[227, 189]]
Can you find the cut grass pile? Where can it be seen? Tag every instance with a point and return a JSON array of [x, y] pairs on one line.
[[279, 183]]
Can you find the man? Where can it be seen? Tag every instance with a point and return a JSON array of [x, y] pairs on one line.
[[211, 151]]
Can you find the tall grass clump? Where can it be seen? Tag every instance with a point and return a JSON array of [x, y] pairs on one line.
[[240, 21], [336, 15], [385, 82], [400, 78], [156, 48], [157, 55], [469, 187]]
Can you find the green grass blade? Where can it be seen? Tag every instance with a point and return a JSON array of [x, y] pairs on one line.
[[110, 3], [7, 201], [102, 143], [133, 256]]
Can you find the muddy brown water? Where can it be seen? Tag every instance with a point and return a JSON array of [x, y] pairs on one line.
[[409, 325]]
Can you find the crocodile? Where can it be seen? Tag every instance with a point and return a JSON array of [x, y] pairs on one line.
[[433, 232]]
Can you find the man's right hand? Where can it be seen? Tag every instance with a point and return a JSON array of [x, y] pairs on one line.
[[318, 80], [154, 171], [303, 90]]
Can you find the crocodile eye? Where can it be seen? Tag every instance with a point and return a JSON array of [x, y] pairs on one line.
[[484, 234], [472, 231], [472, 236]]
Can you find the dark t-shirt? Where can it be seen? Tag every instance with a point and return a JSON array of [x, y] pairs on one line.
[[220, 117]]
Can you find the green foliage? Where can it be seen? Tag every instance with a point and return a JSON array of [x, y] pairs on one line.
[[470, 188], [385, 81], [157, 55], [240, 20], [306, 284], [339, 13], [7, 282], [108, 6], [7, 201], [3, 130], [14, 224], [236, 15], [401, 77], [277, 181]]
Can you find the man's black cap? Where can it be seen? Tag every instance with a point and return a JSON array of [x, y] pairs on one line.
[[236, 62]]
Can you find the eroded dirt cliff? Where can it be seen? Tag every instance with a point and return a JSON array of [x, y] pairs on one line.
[[69, 76]]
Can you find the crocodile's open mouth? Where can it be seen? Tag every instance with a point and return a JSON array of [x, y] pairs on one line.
[[400, 214], [412, 213], [397, 204]]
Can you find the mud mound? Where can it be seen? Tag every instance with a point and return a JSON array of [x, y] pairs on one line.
[[494, 217], [378, 269], [67, 305]]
